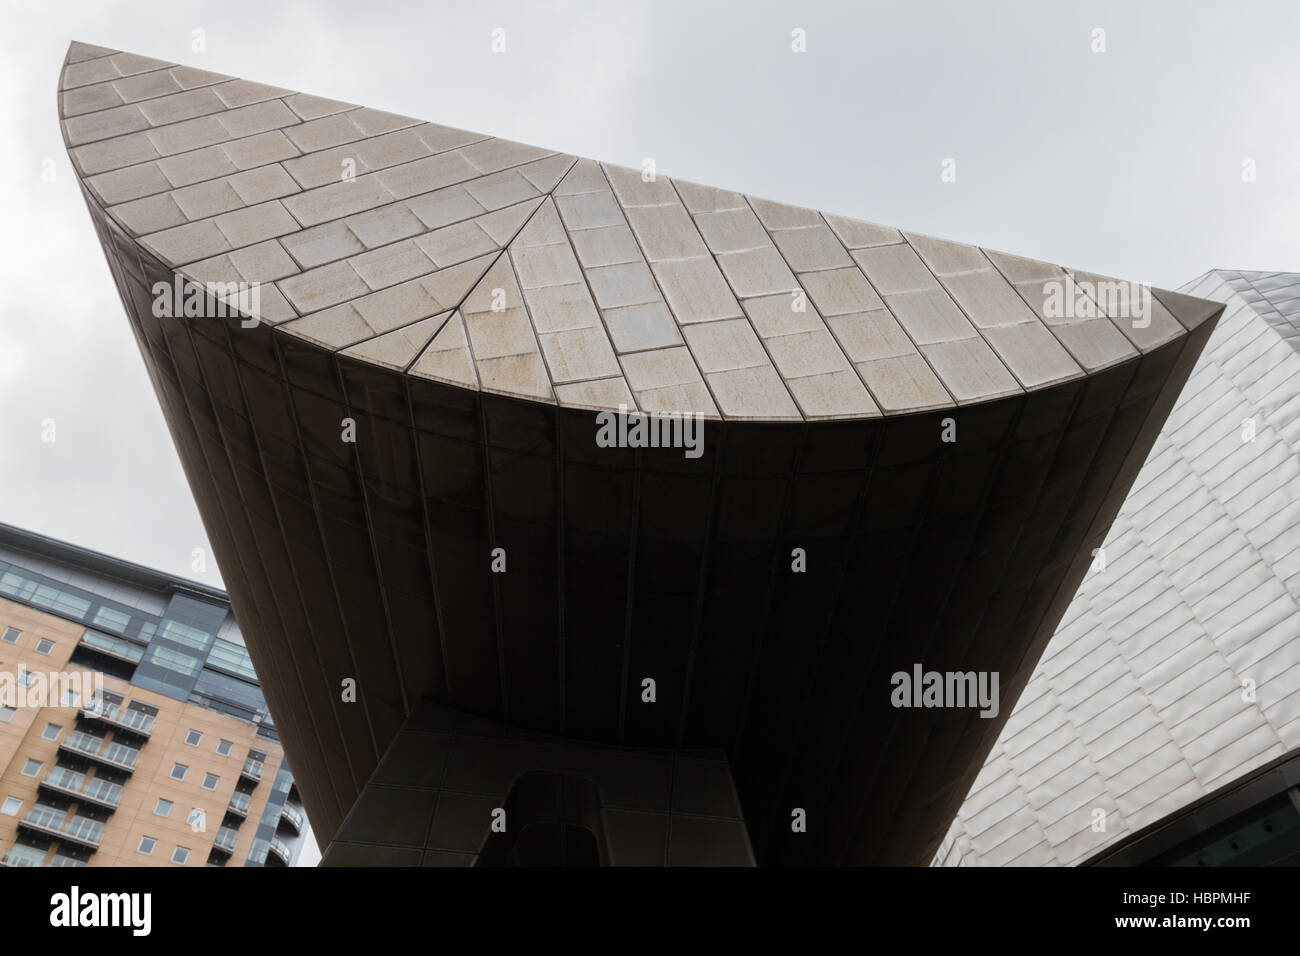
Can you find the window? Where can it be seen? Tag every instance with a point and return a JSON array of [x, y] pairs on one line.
[[179, 770], [6, 714], [10, 635], [31, 768], [180, 855], [11, 806], [193, 738], [146, 846], [210, 781], [224, 747], [51, 732], [44, 646], [197, 819], [163, 807]]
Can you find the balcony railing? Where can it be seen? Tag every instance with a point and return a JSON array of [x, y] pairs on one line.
[[291, 816], [252, 769], [281, 850], [103, 793], [86, 743], [131, 721], [60, 860], [239, 803], [84, 830], [49, 822], [22, 856], [225, 840]]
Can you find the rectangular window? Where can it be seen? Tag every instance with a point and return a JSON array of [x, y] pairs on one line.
[[44, 646], [163, 807], [32, 768], [210, 781], [173, 660], [178, 771], [180, 855], [224, 747], [146, 846], [10, 635], [193, 738], [51, 732], [111, 620], [6, 714], [11, 806]]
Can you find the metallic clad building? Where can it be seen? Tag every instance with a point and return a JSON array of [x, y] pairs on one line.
[[180, 765], [399, 465], [1176, 670]]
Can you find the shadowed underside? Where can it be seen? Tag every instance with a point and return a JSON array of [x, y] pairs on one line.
[[468, 302]]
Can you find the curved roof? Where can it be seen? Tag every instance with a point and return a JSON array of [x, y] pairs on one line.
[[515, 269]]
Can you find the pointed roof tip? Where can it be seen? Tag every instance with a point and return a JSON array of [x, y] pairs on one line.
[[79, 52], [1190, 311]]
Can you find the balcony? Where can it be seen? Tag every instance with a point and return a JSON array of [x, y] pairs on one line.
[[239, 804], [83, 831], [225, 841], [89, 747], [22, 856], [252, 770], [48, 821], [292, 817], [281, 850], [128, 721], [61, 860], [69, 783]]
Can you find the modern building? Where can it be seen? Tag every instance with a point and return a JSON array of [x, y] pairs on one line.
[[1163, 722], [168, 758], [574, 513]]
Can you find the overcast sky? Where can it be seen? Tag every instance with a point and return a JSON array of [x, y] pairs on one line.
[[1126, 162]]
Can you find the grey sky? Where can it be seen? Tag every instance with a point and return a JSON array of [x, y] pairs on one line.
[[1127, 162]]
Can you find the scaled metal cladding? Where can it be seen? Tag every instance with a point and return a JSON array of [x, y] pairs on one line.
[[372, 560]]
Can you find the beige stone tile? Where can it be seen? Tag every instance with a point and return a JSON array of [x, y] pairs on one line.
[[323, 287], [128, 64], [858, 235], [1094, 343], [104, 124], [263, 184], [442, 138], [333, 328], [238, 93], [895, 269], [110, 154], [543, 229], [719, 346], [492, 155], [806, 353], [397, 349], [559, 308], [626, 284], [752, 393], [929, 316], [327, 166], [688, 399], [777, 215], [702, 199], [206, 199], [516, 375], [833, 395], [198, 166], [88, 99], [310, 107], [379, 227], [903, 383], [504, 224], [88, 72], [777, 315], [540, 266], [446, 365], [605, 246], [177, 107], [969, 370], [633, 190], [444, 207], [545, 174], [401, 146], [321, 244], [258, 118], [660, 369], [497, 289], [458, 243], [811, 248], [601, 393], [637, 327], [146, 86], [188, 243], [577, 354], [79, 52], [263, 262], [492, 334], [450, 286], [325, 132], [500, 189], [399, 305], [1019, 269], [189, 135], [865, 336], [389, 265], [988, 299], [589, 210], [666, 232], [133, 182], [586, 176], [696, 291], [733, 230], [840, 292], [256, 223], [143, 216], [188, 77], [946, 258], [1032, 353], [275, 307], [258, 150], [337, 200]]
